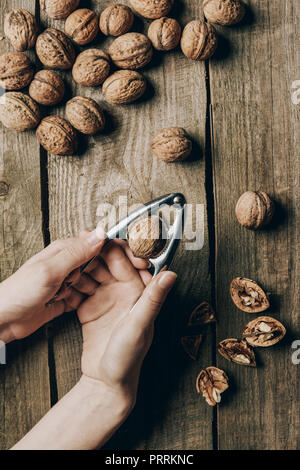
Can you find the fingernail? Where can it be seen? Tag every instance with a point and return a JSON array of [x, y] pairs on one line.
[[149, 265], [167, 280], [96, 236]]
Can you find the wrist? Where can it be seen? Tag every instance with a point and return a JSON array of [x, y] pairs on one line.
[[116, 399]]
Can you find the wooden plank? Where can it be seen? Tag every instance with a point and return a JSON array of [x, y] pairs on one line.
[[169, 414], [24, 382], [255, 146]]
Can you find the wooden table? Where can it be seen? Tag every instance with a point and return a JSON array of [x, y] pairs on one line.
[[238, 108]]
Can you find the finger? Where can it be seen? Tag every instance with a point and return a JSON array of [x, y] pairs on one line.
[[73, 276], [73, 300], [100, 273], [85, 284], [150, 303], [55, 310], [74, 252], [138, 263], [145, 276], [117, 262]]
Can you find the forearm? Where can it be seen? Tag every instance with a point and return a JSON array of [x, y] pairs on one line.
[[83, 419]]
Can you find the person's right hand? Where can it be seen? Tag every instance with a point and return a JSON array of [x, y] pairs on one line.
[[118, 320]]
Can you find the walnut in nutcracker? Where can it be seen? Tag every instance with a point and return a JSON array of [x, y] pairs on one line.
[[16, 71], [91, 67], [254, 210], [21, 29], [57, 136], [147, 237], [47, 88], [85, 115], [59, 9], [82, 26], [164, 33], [211, 382], [152, 9], [172, 144], [18, 111], [131, 51], [116, 20], [224, 12], [124, 87], [199, 40], [55, 49]]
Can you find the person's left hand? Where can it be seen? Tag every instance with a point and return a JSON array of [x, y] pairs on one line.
[[26, 297]]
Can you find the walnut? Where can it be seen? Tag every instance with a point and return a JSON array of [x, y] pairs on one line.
[[47, 88], [199, 40], [124, 86], [237, 351], [264, 332], [248, 296], [224, 12], [147, 237], [18, 111], [58, 9], [202, 315], [116, 20], [152, 8], [57, 136], [131, 51], [82, 26], [191, 345], [254, 210], [85, 115], [91, 67], [164, 33], [171, 144], [21, 28], [16, 70], [55, 50], [211, 382]]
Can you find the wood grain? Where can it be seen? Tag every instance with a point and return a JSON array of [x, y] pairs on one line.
[[119, 163], [24, 383], [255, 146]]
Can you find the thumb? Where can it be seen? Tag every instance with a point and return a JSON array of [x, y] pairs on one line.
[[149, 304], [74, 252]]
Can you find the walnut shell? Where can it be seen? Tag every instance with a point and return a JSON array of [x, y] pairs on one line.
[[55, 50], [237, 351], [18, 111], [82, 26], [164, 33], [91, 67], [199, 40], [131, 51], [124, 86], [116, 20], [254, 210], [21, 29], [191, 345], [57, 136], [85, 115], [16, 71], [211, 382], [47, 88], [58, 9], [146, 237], [171, 144], [264, 332], [202, 315], [248, 296], [152, 9], [224, 12]]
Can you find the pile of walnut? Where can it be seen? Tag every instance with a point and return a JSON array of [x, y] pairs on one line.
[[263, 331], [130, 51]]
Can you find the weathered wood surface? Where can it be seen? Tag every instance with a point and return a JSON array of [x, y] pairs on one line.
[[255, 135], [255, 146], [24, 381]]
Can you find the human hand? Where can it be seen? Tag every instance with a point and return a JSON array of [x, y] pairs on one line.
[[118, 320], [24, 295]]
